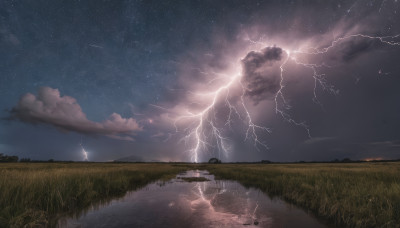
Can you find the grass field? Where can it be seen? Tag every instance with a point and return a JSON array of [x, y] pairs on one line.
[[35, 195], [355, 195]]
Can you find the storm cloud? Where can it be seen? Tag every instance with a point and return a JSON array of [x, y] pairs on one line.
[[64, 113], [163, 63], [261, 73]]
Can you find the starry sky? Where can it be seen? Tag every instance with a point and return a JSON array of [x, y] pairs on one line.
[[189, 80]]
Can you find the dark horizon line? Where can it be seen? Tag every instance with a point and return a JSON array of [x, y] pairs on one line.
[[243, 162]]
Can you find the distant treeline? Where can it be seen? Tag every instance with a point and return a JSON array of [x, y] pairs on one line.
[[345, 160], [217, 161], [6, 158]]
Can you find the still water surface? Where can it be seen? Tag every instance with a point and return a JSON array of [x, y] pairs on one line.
[[214, 203]]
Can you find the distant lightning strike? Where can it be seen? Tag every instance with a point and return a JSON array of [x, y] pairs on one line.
[[205, 130], [84, 152]]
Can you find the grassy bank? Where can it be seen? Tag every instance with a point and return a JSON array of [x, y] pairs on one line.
[[36, 194], [354, 195]]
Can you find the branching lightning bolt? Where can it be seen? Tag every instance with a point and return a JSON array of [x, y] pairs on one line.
[[203, 128], [204, 118]]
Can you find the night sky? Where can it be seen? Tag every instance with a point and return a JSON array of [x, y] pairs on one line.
[[190, 80]]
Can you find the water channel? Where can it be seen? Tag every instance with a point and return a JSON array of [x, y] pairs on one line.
[[179, 203]]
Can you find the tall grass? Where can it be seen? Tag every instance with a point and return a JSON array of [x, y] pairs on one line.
[[35, 195], [354, 195]]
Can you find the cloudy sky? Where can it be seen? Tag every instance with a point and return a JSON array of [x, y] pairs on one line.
[[189, 80]]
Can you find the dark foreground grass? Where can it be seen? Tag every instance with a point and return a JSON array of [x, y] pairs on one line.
[[353, 195], [36, 195]]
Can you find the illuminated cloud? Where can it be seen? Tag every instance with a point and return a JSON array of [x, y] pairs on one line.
[[261, 73], [64, 113]]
